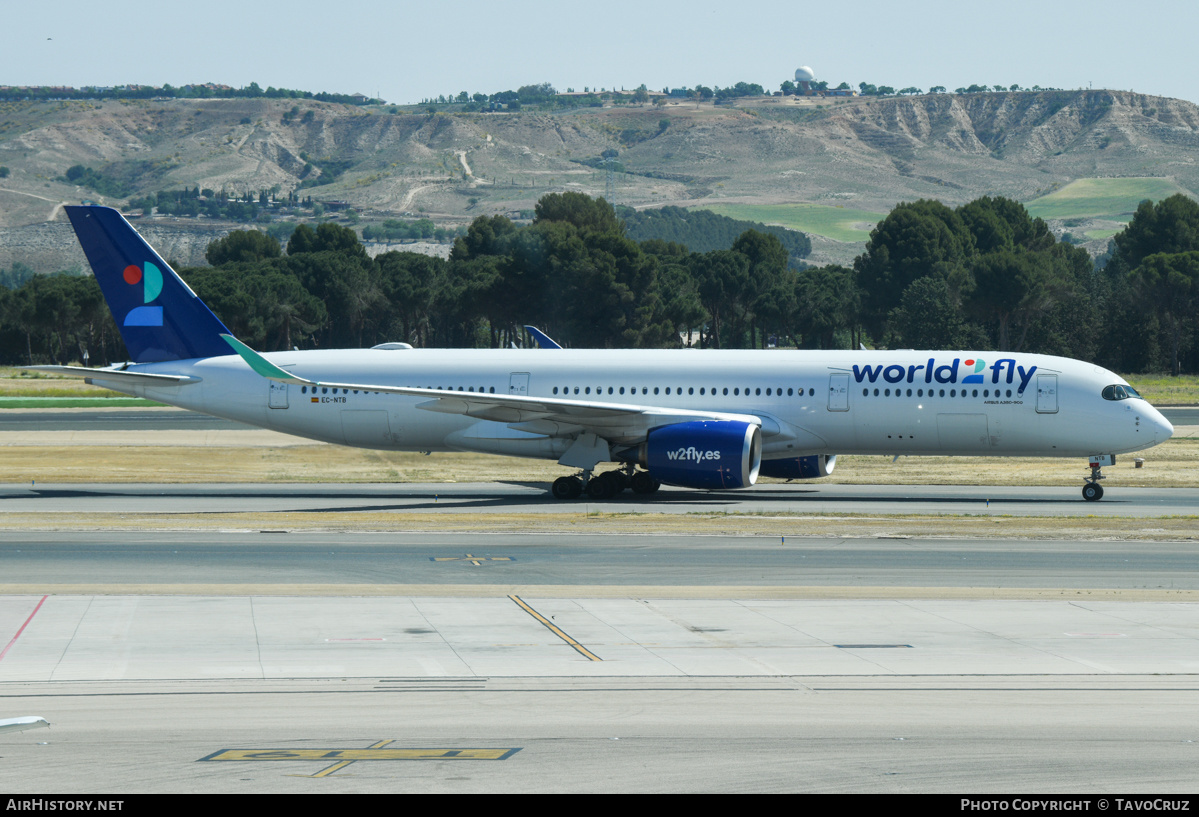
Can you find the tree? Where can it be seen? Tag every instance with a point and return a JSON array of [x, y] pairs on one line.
[[486, 235], [721, 276], [1170, 226], [1169, 283], [326, 237], [929, 317], [243, 245], [1011, 288], [827, 300], [410, 282], [764, 295], [912, 239], [580, 210]]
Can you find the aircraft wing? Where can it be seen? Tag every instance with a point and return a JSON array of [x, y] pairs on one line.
[[615, 422]]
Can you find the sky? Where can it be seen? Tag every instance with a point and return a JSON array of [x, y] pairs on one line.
[[405, 52]]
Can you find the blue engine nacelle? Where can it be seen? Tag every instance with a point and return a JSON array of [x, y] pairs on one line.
[[810, 467], [704, 454]]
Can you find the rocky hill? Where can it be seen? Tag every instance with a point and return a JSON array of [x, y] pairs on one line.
[[864, 153]]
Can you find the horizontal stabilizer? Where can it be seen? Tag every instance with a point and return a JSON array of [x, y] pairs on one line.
[[22, 724], [117, 375]]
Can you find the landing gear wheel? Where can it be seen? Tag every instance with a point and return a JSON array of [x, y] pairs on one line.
[[1092, 492], [567, 488], [643, 483], [619, 480], [601, 487]]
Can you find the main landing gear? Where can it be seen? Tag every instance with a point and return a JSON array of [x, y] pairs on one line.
[[1093, 491], [606, 485]]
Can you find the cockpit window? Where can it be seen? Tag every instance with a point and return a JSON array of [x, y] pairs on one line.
[[1119, 393]]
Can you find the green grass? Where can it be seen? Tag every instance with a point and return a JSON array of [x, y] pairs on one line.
[[1113, 199], [76, 402], [1164, 390], [1098, 234], [837, 223]]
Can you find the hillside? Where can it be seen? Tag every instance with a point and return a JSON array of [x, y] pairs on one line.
[[863, 155]]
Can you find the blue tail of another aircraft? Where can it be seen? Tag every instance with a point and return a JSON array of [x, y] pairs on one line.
[[158, 315]]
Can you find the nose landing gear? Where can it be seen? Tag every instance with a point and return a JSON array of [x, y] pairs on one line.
[[1093, 491]]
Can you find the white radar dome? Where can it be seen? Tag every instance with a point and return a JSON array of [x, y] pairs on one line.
[[804, 74]]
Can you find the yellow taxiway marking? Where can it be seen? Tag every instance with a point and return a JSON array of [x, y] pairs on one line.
[[361, 754], [344, 757], [474, 560], [556, 630], [341, 764]]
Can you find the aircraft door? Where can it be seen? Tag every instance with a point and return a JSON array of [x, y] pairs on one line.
[[278, 395], [518, 383], [1046, 394], [838, 392]]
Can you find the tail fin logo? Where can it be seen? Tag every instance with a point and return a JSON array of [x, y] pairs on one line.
[[150, 279]]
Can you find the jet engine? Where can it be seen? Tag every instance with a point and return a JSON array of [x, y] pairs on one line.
[[704, 454], [813, 466]]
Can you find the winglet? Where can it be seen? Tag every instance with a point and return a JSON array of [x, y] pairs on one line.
[[263, 366]]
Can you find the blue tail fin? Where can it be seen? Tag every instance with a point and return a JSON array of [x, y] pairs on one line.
[[160, 318]]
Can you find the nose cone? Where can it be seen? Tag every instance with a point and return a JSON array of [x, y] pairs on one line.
[[1162, 428]]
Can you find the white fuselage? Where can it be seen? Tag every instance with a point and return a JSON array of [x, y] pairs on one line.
[[809, 402]]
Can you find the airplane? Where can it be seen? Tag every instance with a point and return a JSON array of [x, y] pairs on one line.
[[712, 419]]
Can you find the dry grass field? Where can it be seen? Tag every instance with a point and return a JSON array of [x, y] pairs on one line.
[[223, 457]]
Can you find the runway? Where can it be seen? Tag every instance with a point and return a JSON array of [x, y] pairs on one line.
[[715, 566], [174, 650], [534, 498], [338, 662]]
